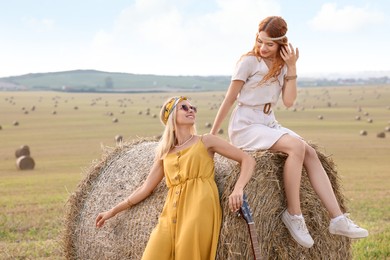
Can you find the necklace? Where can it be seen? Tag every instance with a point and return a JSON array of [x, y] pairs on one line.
[[189, 139]]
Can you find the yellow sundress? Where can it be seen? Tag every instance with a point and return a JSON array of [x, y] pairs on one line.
[[189, 225]]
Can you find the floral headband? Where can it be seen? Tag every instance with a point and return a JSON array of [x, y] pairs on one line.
[[170, 106]]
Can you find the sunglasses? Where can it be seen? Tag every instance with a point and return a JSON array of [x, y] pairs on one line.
[[186, 108]]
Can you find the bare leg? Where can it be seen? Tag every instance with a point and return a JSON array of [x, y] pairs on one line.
[[320, 181], [292, 172]]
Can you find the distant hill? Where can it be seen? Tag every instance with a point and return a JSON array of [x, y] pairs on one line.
[[100, 81]]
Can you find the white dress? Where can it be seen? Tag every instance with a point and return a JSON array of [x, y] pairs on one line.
[[249, 127]]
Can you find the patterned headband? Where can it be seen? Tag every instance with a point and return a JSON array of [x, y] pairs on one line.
[[170, 106], [264, 38]]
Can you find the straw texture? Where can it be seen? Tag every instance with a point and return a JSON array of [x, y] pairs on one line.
[[125, 167]]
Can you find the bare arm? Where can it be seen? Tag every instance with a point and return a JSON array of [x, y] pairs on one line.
[[231, 96], [220, 146], [289, 92], [155, 176]]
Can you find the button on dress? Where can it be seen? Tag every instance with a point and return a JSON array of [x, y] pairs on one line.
[[249, 127], [190, 222]]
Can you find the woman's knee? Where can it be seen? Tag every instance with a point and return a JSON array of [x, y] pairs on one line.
[[310, 152], [291, 146]]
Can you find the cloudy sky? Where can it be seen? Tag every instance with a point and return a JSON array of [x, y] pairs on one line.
[[187, 37]]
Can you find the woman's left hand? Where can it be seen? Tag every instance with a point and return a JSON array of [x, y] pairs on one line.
[[236, 200], [289, 55]]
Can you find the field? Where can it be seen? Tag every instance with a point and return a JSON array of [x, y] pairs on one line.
[[67, 131]]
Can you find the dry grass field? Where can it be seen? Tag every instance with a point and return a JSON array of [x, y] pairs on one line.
[[67, 131]]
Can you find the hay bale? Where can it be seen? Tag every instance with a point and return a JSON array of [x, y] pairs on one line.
[[363, 132], [25, 162], [118, 138], [381, 135], [124, 168], [24, 150]]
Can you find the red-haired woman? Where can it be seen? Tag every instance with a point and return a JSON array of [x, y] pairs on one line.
[[189, 225], [260, 77]]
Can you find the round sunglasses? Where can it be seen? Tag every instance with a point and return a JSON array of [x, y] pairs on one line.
[[186, 108]]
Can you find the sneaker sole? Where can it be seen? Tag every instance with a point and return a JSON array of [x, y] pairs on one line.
[[357, 236], [293, 235]]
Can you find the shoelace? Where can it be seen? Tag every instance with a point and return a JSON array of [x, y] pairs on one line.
[[349, 221], [301, 223]]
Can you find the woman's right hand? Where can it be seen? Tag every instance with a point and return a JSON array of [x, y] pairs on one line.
[[102, 217]]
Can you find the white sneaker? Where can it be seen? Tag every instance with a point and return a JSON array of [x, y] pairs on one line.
[[345, 227], [298, 230]]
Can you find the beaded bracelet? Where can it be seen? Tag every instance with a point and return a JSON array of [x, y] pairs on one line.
[[290, 77]]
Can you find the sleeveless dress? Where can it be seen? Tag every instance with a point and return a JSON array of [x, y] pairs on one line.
[[190, 221], [250, 128]]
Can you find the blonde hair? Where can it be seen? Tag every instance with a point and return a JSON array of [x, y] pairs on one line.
[[168, 138]]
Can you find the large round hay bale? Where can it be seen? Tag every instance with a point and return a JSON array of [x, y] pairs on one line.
[[24, 150], [124, 168], [25, 162]]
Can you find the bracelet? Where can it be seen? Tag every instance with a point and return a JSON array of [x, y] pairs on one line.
[[129, 203], [290, 77]]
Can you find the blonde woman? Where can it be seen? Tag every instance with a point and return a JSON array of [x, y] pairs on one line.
[[261, 76], [190, 221]]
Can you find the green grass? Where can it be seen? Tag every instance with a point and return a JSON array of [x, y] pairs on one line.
[[32, 202]]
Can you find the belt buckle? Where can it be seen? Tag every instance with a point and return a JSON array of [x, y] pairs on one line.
[[267, 108]]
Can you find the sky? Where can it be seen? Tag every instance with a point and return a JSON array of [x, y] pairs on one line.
[[187, 37]]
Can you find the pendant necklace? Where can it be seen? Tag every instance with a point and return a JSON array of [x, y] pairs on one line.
[[189, 139]]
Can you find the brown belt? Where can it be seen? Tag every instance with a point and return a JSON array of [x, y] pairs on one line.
[[267, 108]]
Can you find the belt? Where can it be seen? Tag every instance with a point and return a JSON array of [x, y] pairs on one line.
[[266, 107]]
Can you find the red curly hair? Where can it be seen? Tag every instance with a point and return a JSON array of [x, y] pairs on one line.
[[274, 26]]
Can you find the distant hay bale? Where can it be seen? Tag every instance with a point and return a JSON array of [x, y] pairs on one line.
[[207, 125], [118, 138], [15, 123], [123, 168], [363, 132], [320, 117], [1, 127], [357, 118], [25, 162], [220, 131], [381, 135], [24, 150], [369, 120], [387, 128], [115, 120]]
